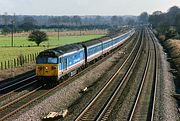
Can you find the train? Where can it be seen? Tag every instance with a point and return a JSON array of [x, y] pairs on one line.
[[53, 65]]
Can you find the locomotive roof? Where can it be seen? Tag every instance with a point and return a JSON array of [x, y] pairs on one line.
[[63, 49], [68, 48]]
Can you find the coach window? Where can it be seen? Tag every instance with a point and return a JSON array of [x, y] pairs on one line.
[[81, 56]]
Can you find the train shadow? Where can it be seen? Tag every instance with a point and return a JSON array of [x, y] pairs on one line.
[[25, 87]]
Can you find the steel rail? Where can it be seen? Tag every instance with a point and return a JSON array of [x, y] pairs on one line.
[[156, 77], [58, 86], [118, 88], [20, 98], [7, 94], [17, 83], [140, 90], [102, 90], [150, 115]]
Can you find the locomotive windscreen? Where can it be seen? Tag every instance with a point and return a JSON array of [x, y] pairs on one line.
[[46, 60]]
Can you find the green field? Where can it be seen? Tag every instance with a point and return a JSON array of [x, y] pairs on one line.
[[9, 53], [53, 40]]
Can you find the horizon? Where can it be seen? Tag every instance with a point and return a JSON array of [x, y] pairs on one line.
[[84, 7]]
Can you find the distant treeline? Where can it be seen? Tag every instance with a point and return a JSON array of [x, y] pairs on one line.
[[8, 28], [167, 24], [19, 23]]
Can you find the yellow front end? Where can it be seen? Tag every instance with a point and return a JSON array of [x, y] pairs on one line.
[[46, 70]]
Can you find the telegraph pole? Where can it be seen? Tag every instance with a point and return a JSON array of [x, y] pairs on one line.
[[58, 31], [12, 33]]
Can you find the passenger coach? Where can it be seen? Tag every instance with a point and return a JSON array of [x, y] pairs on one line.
[[67, 60]]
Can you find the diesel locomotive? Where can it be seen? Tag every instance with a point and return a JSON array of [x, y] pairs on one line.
[[53, 65]]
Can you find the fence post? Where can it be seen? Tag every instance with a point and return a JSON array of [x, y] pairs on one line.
[[31, 57], [5, 65], [17, 62], [28, 58], [11, 63], [14, 62], [1, 65], [25, 59], [8, 64]]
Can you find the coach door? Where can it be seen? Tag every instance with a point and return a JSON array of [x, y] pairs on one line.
[[65, 64]]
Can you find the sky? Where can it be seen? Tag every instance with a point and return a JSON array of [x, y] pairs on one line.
[[84, 7]]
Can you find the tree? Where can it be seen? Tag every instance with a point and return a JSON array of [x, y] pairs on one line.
[[65, 20], [114, 20], [177, 23], [143, 18], [155, 18], [130, 21], [171, 14], [98, 20], [6, 21], [28, 23], [38, 37], [120, 20], [76, 20]]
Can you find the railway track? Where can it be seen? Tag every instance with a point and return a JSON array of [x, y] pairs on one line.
[[34, 95], [101, 106], [156, 77], [98, 106], [144, 105], [14, 84], [20, 91]]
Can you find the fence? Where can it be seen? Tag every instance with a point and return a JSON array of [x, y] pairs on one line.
[[20, 61]]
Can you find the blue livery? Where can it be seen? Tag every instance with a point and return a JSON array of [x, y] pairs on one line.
[[54, 64]]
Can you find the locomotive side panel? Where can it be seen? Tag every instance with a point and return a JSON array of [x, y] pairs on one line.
[[72, 61]]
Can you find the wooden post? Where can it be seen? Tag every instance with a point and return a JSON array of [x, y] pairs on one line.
[[28, 59], [8, 64], [5, 65], [1, 65], [15, 62]]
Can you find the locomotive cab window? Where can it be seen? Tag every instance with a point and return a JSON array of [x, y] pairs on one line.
[[46, 60], [52, 60]]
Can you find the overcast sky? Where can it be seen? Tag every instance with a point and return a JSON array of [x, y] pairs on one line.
[[84, 7]]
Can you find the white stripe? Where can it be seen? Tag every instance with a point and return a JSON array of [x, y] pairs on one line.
[[108, 48], [107, 40], [94, 54], [71, 66]]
